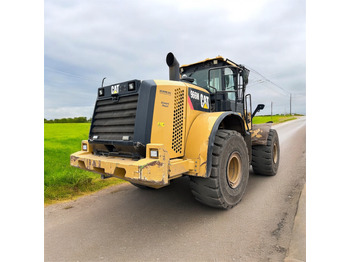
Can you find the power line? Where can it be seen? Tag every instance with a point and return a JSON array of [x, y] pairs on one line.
[[68, 73], [266, 84], [268, 80]]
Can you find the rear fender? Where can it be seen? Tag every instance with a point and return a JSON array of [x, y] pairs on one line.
[[260, 132], [201, 137]]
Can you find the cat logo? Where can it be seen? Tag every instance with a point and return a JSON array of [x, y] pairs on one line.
[[114, 89], [204, 101]]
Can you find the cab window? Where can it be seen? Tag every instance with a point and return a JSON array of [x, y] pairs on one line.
[[229, 84], [215, 79]]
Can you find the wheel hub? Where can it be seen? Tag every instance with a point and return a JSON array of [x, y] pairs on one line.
[[275, 154], [234, 170]]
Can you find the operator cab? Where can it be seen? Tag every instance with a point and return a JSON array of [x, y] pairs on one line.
[[225, 80]]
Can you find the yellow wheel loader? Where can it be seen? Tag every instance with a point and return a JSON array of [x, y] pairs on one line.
[[197, 124]]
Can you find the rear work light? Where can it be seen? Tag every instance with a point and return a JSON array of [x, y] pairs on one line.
[[101, 92], [131, 86]]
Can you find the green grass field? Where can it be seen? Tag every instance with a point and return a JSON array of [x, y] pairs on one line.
[[276, 119], [61, 181]]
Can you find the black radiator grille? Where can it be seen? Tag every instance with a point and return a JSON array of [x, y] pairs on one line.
[[114, 119]]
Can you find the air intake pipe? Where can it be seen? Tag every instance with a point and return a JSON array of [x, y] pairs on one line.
[[174, 67]]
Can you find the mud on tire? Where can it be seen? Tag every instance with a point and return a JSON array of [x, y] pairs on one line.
[[227, 182], [265, 159]]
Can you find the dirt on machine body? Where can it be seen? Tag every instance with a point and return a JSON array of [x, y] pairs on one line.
[[198, 123]]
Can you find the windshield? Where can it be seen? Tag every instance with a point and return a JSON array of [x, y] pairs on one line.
[[200, 78], [222, 79]]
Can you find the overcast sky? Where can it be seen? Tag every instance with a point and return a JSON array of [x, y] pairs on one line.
[[122, 40]]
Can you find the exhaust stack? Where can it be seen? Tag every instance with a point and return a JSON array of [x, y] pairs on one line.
[[174, 67]]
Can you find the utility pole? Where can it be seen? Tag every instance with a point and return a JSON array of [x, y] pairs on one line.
[[271, 108], [290, 104]]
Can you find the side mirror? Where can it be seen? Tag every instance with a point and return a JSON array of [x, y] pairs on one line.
[[246, 76], [258, 108]]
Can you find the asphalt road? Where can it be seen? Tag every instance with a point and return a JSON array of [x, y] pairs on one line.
[[124, 223]]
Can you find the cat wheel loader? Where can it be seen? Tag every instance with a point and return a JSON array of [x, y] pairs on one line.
[[197, 124]]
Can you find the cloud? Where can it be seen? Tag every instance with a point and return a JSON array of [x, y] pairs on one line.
[[121, 40]]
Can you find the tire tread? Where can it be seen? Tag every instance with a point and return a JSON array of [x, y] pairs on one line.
[[207, 190], [262, 156]]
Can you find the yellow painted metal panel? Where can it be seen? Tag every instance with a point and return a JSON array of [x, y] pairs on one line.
[[208, 59], [168, 126], [151, 171], [198, 139]]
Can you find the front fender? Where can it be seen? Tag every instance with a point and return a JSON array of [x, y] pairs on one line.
[[201, 137]]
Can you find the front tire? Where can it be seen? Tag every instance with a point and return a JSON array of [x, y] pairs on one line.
[[227, 182]]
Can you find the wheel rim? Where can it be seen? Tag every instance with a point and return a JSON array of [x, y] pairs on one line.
[[234, 170], [275, 154]]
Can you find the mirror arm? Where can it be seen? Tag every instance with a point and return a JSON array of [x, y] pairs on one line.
[[257, 109]]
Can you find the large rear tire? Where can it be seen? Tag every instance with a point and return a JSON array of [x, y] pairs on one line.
[[227, 182], [266, 159]]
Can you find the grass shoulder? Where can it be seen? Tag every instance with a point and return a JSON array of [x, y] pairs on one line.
[[276, 119], [61, 181]]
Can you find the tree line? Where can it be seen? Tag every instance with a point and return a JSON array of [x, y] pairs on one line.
[[80, 119]]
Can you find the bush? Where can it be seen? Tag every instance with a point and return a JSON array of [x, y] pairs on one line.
[[80, 119]]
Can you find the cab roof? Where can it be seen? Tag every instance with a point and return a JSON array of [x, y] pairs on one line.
[[216, 60]]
